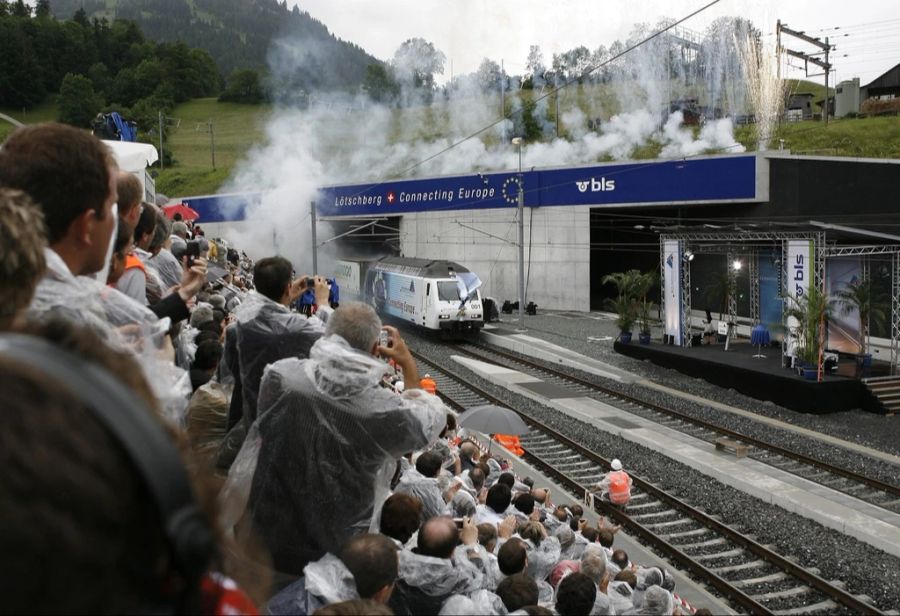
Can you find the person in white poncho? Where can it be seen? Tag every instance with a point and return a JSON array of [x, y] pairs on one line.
[[317, 463]]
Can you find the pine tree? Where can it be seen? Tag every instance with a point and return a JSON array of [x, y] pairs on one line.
[[20, 9], [80, 17], [42, 9]]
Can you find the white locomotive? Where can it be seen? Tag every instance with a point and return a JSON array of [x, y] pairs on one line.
[[433, 294]]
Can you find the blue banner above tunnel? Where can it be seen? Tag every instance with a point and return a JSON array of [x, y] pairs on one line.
[[719, 179], [675, 182]]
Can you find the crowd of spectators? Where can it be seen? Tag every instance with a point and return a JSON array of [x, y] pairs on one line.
[[312, 487]]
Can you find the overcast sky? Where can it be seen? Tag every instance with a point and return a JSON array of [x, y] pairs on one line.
[[469, 30]]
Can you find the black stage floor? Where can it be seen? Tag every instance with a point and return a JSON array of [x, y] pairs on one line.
[[761, 378]]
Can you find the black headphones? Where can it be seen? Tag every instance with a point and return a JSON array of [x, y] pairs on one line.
[[147, 445]]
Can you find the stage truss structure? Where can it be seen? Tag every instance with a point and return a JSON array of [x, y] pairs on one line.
[[723, 242]]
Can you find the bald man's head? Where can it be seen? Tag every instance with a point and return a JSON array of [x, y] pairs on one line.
[[540, 495], [438, 537], [469, 450]]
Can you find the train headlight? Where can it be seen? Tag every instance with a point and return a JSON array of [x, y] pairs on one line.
[[443, 316], [476, 316]]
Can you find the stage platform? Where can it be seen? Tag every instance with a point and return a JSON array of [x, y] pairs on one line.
[[759, 377]]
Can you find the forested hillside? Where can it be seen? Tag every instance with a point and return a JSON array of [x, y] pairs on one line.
[[239, 33], [88, 66]]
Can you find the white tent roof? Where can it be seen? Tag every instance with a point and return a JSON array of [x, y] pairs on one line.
[[132, 157]]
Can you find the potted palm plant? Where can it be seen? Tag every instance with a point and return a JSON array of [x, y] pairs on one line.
[[625, 303], [860, 295], [642, 286], [644, 321], [811, 311]]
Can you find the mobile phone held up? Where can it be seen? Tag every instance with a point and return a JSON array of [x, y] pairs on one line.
[[192, 252]]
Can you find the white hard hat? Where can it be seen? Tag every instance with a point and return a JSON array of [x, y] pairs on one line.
[[616, 465]]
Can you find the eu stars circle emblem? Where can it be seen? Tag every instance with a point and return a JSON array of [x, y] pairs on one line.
[[511, 197]]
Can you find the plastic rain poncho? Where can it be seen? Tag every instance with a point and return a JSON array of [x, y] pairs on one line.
[[479, 602], [426, 489], [550, 521], [186, 346], [546, 594], [620, 593], [120, 321], [569, 549], [324, 581], [646, 577], [657, 602], [603, 605], [266, 332], [206, 417], [425, 583], [318, 462], [542, 558], [169, 269], [463, 505]]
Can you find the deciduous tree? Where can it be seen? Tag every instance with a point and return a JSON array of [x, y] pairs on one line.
[[78, 103]]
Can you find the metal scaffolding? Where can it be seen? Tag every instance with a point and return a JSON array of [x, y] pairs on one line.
[[724, 242], [895, 312], [685, 297], [753, 272], [871, 250]]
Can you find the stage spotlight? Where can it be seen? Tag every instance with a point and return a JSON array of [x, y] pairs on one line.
[[688, 255], [737, 265]]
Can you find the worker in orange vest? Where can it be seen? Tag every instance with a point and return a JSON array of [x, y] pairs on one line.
[[615, 485], [427, 383]]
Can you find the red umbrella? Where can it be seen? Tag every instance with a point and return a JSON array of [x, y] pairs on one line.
[[186, 212]]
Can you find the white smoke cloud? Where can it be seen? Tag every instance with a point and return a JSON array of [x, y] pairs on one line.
[[343, 138], [714, 136]]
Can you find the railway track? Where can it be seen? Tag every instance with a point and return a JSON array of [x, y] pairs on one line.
[[752, 576], [867, 489]]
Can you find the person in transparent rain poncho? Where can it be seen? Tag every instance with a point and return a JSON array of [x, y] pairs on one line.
[[422, 483], [659, 602], [79, 207], [265, 330], [446, 561], [593, 565], [318, 461], [366, 568]]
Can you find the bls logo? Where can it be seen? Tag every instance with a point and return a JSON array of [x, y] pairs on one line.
[[601, 185]]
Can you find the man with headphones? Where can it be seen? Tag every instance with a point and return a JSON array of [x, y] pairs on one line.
[[99, 514]]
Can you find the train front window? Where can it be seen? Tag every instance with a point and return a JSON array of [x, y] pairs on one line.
[[447, 291]]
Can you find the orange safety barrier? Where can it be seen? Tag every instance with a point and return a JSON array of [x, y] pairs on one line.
[[511, 442]]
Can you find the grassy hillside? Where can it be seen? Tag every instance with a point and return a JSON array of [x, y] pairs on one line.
[[235, 129], [817, 89], [46, 112]]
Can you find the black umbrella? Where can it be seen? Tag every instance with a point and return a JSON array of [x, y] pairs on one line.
[[493, 419]]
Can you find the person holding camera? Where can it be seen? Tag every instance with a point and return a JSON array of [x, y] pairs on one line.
[[327, 439], [265, 330]]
